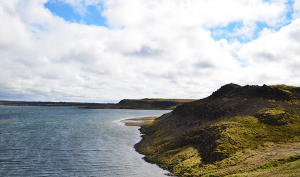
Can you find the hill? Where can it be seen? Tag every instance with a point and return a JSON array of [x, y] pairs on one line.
[[247, 131], [142, 104]]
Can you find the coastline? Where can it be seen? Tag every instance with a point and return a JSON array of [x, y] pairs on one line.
[[237, 131], [139, 121]]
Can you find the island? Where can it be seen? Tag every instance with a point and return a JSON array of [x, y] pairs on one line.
[[236, 131]]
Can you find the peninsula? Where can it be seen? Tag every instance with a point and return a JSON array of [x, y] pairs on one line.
[[147, 103], [244, 131]]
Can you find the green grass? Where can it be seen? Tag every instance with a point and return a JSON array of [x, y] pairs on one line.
[[244, 100], [265, 141], [272, 111], [286, 89], [225, 99], [293, 102], [245, 142]]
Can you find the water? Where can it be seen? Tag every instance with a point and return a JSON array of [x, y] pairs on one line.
[[66, 141]]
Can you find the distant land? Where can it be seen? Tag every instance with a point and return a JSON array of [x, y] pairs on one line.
[[48, 103], [236, 131], [147, 103], [156, 104]]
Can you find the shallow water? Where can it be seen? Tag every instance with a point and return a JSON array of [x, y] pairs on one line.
[[66, 141]]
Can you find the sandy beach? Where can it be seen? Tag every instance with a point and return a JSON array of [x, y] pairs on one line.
[[138, 121]]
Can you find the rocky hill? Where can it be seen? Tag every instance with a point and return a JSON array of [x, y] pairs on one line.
[[249, 130]]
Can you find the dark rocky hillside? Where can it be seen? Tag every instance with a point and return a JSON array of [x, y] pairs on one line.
[[210, 136]]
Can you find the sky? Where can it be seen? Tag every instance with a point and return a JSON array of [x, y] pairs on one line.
[[108, 50]]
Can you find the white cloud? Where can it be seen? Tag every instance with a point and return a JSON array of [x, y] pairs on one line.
[[152, 49], [266, 32], [191, 13], [275, 55], [13, 33], [233, 47], [246, 30], [296, 13]]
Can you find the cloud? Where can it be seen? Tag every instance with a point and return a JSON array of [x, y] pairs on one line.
[[192, 13], [150, 49], [145, 51], [266, 32], [246, 30], [296, 13], [274, 54]]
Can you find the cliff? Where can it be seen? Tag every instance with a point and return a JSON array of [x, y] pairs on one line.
[[249, 130]]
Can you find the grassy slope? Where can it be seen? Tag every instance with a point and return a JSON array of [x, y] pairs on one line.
[[246, 131], [143, 104]]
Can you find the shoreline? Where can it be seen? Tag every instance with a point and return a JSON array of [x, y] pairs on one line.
[[139, 121]]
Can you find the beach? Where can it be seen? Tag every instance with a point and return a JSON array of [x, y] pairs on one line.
[[138, 121]]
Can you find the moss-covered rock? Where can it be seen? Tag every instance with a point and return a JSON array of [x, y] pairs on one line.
[[273, 116]]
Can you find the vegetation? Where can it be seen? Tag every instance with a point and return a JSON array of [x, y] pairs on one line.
[[236, 131]]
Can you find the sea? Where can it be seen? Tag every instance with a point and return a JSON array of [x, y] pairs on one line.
[[67, 141]]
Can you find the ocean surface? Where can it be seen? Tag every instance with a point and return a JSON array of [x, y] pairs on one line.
[[66, 141]]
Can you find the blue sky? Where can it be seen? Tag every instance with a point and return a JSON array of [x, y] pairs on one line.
[[97, 50], [92, 16], [223, 32]]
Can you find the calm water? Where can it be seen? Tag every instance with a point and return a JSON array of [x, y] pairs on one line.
[[65, 141]]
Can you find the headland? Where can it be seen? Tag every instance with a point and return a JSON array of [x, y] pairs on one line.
[[236, 131], [147, 103]]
